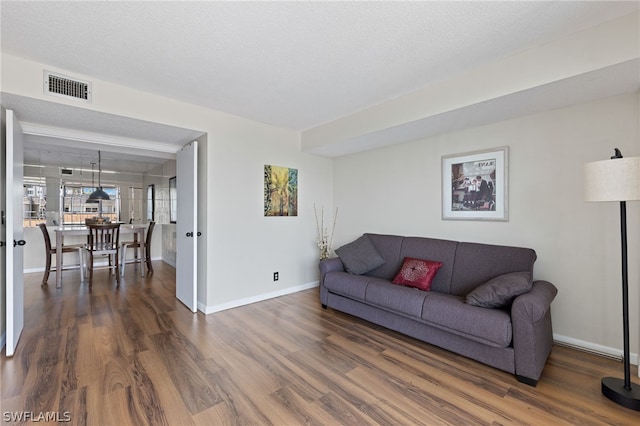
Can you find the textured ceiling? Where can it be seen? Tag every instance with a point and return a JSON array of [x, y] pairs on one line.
[[291, 64]]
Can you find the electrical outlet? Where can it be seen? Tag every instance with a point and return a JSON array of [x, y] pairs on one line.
[[276, 276]]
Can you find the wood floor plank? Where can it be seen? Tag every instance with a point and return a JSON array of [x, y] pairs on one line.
[[416, 372], [336, 381], [114, 372], [197, 394], [295, 409], [101, 310], [384, 414], [116, 409], [219, 414], [458, 380], [144, 398], [135, 335], [89, 360], [402, 402], [70, 361], [167, 393], [344, 412], [43, 393], [237, 406], [75, 402], [136, 356], [288, 374]]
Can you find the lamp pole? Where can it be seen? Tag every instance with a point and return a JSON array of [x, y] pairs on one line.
[[613, 388]]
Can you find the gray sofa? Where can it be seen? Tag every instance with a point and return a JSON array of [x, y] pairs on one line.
[[516, 338]]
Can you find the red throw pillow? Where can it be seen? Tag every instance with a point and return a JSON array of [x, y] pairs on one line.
[[417, 273]]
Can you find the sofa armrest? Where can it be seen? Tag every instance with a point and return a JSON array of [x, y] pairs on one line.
[[333, 264], [532, 331], [533, 305]]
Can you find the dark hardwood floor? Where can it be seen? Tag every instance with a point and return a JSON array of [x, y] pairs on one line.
[[136, 356]]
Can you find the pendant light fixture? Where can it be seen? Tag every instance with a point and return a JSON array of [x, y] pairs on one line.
[[99, 194], [93, 185]]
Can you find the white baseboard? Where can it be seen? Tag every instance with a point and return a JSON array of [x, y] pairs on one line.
[[253, 299], [595, 348]]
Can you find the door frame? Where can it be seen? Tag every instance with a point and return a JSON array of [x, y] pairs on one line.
[[83, 139]]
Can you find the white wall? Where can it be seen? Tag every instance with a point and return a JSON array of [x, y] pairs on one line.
[[239, 249], [251, 247], [397, 190]]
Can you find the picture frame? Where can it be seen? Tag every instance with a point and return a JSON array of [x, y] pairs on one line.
[[173, 200], [280, 191], [475, 185]]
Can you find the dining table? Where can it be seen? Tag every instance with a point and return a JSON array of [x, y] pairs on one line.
[[138, 231]]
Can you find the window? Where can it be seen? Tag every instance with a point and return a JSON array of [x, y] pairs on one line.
[[173, 200], [34, 203], [76, 207], [151, 198]]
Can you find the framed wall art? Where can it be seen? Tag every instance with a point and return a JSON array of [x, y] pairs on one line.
[[475, 185], [280, 191]]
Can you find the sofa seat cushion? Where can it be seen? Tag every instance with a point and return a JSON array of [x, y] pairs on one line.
[[451, 313], [346, 284], [405, 300]]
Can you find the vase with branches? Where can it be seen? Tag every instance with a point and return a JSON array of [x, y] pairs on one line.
[[324, 238]]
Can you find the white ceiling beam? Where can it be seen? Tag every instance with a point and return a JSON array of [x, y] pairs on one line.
[[82, 137], [607, 52]]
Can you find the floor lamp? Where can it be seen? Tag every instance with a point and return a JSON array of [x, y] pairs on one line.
[[618, 179]]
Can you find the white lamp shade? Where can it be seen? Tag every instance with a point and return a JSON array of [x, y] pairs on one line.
[[617, 179]]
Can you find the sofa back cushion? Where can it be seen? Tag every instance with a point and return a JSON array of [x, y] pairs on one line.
[[388, 246], [476, 264], [394, 249], [359, 256], [464, 265]]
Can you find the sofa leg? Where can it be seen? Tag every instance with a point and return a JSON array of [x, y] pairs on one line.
[[324, 306], [527, 380]]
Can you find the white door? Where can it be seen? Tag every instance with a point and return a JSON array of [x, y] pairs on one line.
[[3, 230], [13, 207], [187, 226]]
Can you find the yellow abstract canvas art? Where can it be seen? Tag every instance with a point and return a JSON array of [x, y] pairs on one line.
[[280, 191]]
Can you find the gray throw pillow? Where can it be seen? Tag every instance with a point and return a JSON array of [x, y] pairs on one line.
[[360, 256], [501, 290]]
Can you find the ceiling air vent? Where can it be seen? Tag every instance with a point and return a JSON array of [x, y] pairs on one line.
[[60, 85], [66, 171]]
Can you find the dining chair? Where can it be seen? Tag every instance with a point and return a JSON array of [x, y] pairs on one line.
[[136, 245], [51, 250], [104, 240]]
